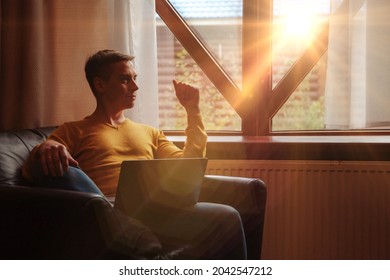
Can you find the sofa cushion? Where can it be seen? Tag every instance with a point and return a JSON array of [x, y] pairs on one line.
[[15, 147]]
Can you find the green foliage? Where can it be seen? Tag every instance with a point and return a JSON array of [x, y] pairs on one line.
[[216, 111], [300, 113]]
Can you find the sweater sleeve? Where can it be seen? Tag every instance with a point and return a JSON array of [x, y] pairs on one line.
[[195, 145]]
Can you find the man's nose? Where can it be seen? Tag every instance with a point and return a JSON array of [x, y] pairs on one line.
[[134, 86]]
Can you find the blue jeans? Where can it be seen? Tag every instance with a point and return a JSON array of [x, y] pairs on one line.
[[73, 180], [214, 231], [126, 238]]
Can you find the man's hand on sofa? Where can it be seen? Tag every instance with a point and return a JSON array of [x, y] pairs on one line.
[[54, 158]]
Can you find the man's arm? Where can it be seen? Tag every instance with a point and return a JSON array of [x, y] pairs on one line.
[[188, 97], [53, 158]]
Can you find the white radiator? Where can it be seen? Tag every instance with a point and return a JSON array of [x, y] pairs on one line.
[[321, 209]]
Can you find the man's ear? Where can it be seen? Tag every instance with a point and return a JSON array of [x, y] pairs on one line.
[[99, 85]]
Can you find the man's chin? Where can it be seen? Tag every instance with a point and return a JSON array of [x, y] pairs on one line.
[[131, 106]]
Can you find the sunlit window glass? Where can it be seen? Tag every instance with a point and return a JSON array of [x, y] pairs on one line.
[[218, 25], [295, 25]]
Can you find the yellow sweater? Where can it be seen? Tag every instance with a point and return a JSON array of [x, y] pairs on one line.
[[100, 148]]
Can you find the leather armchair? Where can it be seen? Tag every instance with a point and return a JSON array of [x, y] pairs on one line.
[[40, 223]]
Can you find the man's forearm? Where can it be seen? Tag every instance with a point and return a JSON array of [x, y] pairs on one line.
[[195, 145]]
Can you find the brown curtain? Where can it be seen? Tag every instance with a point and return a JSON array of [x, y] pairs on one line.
[[43, 47]]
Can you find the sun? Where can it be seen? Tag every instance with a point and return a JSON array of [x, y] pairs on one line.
[[298, 25]]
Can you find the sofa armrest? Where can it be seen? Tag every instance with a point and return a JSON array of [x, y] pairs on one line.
[[38, 223], [248, 196]]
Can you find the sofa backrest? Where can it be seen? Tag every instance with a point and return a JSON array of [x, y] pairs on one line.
[[15, 146]]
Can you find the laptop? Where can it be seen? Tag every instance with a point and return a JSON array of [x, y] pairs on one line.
[[173, 183]]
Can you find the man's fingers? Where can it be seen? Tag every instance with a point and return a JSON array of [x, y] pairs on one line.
[[185, 91], [52, 161], [55, 162], [188, 97], [73, 162], [44, 166], [63, 159], [54, 158], [70, 160], [47, 163]]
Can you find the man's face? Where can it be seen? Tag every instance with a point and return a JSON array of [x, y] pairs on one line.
[[120, 89]]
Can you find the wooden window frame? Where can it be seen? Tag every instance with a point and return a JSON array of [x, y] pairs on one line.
[[257, 102]]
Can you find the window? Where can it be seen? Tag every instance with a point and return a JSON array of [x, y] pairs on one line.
[[283, 65], [293, 31], [220, 31]]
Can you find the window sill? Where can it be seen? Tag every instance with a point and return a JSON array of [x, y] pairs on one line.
[[361, 147]]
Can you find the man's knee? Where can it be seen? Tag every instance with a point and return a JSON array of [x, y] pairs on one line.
[[226, 227], [224, 213], [74, 179]]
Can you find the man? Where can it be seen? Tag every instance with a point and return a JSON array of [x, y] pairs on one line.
[[86, 155]]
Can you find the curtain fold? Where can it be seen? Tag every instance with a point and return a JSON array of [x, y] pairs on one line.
[[144, 43], [358, 76], [44, 45], [26, 58]]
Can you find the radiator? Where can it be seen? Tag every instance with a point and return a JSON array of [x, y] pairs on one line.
[[321, 209]]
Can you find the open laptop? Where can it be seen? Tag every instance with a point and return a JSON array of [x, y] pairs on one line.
[[173, 182]]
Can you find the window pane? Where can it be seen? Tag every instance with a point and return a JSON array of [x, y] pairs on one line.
[[305, 108], [218, 24], [295, 22], [348, 88], [294, 27], [175, 63], [356, 95]]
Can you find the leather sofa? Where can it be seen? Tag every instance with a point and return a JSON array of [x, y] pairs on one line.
[[41, 223]]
